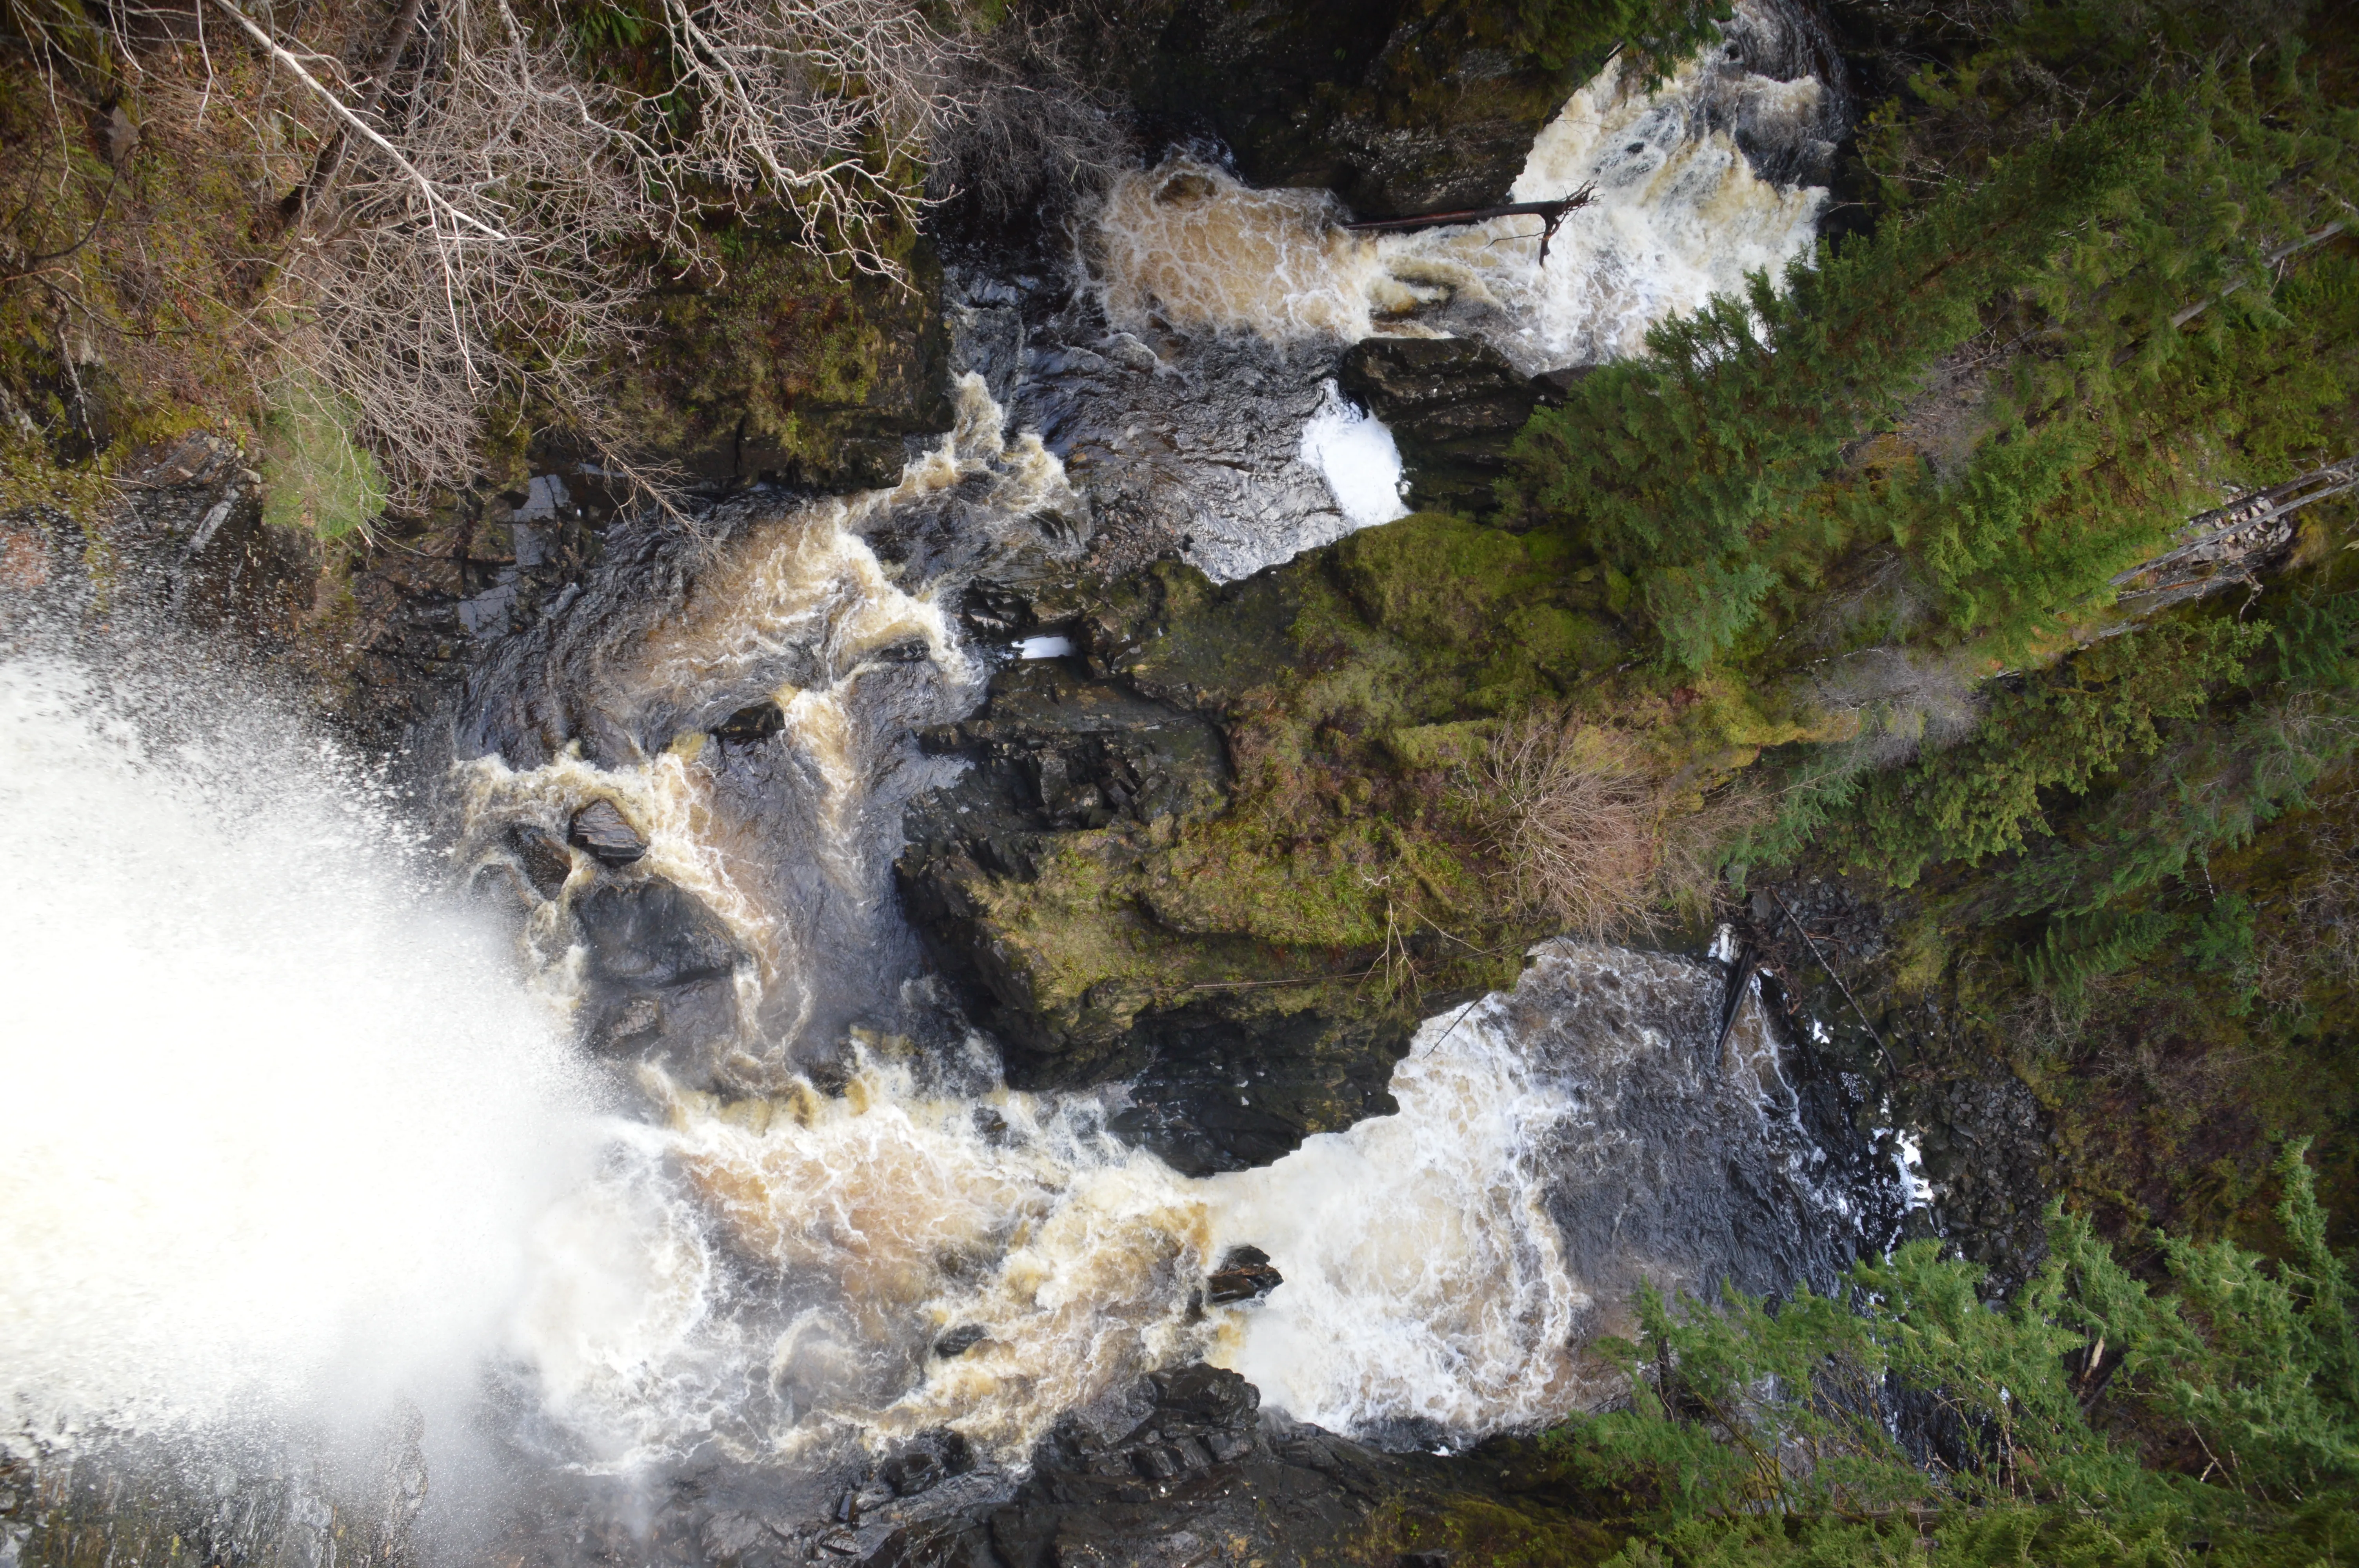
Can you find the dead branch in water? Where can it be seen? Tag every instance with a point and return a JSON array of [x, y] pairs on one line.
[[1549, 213]]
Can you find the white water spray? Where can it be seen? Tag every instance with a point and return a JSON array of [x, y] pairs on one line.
[[278, 1124], [1356, 456]]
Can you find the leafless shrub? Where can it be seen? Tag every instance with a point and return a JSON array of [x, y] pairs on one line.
[[1886, 594], [1579, 825], [1034, 135], [467, 216], [479, 261], [827, 105], [1904, 701]]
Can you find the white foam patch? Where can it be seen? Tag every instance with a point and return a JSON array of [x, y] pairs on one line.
[[1356, 454], [1677, 215], [1676, 218]]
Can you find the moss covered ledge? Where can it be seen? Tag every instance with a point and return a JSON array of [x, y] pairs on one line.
[[1246, 835]]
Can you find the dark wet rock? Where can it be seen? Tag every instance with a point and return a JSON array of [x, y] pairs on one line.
[[1987, 1145], [1231, 1083], [961, 1340], [660, 977], [1394, 106], [1054, 752], [602, 830], [996, 611], [1189, 1473], [757, 723], [926, 1462], [1453, 404], [1244, 1275], [546, 862]]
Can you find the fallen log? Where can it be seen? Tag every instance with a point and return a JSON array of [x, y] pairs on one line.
[[1549, 213], [2222, 545]]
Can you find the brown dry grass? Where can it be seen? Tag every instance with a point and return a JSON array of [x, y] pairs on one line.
[[1579, 824]]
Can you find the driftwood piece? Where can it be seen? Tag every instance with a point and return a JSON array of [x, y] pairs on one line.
[[1549, 213]]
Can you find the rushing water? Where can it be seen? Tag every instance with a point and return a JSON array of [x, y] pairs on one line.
[[300, 1142]]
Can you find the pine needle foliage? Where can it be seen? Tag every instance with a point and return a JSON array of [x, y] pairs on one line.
[[2091, 1419], [1678, 467], [2110, 233]]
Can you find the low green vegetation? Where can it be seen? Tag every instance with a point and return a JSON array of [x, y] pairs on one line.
[[315, 477]]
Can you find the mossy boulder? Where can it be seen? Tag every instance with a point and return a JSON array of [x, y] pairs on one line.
[[779, 369], [1229, 849], [1026, 876]]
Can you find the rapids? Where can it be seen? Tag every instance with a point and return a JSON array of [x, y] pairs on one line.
[[327, 1152]]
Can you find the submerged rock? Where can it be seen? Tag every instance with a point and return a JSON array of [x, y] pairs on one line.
[[926, 1461], [961, 1340]]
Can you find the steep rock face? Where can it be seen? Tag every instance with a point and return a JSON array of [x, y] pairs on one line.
[[1985, 1165], [1453, 404], [1397, 106]]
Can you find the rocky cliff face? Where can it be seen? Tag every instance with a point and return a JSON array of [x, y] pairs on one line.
[[1397, 106]]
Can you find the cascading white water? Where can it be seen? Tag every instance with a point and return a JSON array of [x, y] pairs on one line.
[[1211, 296], [1424, 1281], [278, 1122], [769, 1272], [1678, 215]]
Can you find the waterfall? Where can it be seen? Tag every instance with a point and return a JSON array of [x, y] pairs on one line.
[[298, 1141], [280, 1118], [1189, 371]]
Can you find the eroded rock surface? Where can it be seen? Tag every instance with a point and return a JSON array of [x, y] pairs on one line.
[[659, 977]]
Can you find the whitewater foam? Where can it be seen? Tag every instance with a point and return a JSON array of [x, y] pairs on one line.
[[1677, 215]]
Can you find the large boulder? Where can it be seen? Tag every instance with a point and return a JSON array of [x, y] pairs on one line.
[[1453, 404], [660, 979]]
